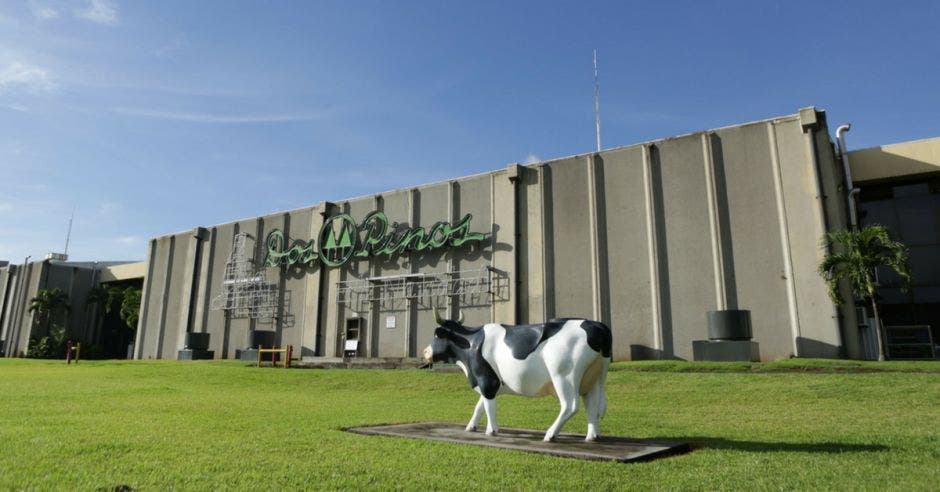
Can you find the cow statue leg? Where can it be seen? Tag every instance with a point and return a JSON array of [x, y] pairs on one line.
[[477, 413], [595, 405], [489, 405], [567, 393], [592, 408]]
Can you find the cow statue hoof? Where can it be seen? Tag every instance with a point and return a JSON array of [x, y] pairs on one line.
[[567, 358], [591, 433]]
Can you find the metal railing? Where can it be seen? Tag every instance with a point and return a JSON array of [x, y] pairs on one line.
[[480, 287]]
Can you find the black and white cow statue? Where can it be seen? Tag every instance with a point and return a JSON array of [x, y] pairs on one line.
[[567, 358]]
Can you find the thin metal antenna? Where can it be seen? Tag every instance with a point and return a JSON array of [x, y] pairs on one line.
[[597, 104], [68, 235]]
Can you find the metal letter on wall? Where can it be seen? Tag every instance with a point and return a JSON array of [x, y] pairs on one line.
[[341, 240]]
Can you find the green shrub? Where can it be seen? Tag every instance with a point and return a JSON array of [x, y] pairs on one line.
[[46, 348]]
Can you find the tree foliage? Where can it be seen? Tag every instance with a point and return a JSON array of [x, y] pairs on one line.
[[105, 298], [856, 254], [126, 299], [130, 307], [48, 305]]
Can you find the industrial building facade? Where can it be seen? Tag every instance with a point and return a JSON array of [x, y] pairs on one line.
[[84, 321], [646, 238]]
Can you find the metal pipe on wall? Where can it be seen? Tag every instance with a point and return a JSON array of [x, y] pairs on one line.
[[852, 190]]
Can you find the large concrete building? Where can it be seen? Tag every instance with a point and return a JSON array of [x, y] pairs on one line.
[[647, 238]]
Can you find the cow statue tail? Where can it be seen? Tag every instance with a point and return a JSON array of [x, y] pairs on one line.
[[599, 338], [601, 382]]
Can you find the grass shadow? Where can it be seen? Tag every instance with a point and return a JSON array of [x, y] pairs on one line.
[[699, 442]]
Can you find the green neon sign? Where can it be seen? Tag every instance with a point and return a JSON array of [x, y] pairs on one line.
[[341, 239]]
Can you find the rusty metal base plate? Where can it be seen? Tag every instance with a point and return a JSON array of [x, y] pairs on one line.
[[606, 448]]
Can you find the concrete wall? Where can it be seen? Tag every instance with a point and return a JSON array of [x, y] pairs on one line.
[[646, 238], [21, 283], [895, 160], [8, 282]]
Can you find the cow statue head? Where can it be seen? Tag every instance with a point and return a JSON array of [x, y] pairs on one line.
[[445, 341]]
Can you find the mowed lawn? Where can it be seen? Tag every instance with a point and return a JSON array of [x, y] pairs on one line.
[[157, 425]]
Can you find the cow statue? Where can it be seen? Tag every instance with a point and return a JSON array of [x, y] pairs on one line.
[[567, 358]]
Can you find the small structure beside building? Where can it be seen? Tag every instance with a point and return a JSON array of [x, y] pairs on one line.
[[899, 187], [97, 330]]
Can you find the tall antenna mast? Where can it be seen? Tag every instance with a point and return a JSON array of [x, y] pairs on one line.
[[597, 104], [68, 235]]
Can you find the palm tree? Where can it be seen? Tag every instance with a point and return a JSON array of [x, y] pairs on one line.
[[130, 307], [854, 255], [104, 299], [48, 305], [98, 297]]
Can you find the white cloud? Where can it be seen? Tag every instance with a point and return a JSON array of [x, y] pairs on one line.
[[127, 240], [27, 78], [43, 11], [100, 11], [16, 107], [532, 159], [110, 208], [216, 118], [6, 206], [25, 187], [178, 43]]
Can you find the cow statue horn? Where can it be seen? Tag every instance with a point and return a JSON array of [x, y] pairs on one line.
[[437, 316], [460, 317]]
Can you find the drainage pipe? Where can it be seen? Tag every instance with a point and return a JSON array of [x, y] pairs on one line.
[[852, 190]]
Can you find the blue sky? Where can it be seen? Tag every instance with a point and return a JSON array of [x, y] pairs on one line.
[[155, 117]]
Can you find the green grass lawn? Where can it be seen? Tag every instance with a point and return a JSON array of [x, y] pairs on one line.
[[156, 425]]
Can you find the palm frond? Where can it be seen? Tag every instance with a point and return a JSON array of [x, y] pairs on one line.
[[856, 255]]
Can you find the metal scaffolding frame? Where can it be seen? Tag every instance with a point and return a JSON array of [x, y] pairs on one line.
[[480, 287], [246, 292]]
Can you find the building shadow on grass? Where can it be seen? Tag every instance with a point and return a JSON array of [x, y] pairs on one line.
[[698, 442]]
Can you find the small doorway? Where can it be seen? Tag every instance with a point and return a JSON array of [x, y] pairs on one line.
[[353, 336]]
